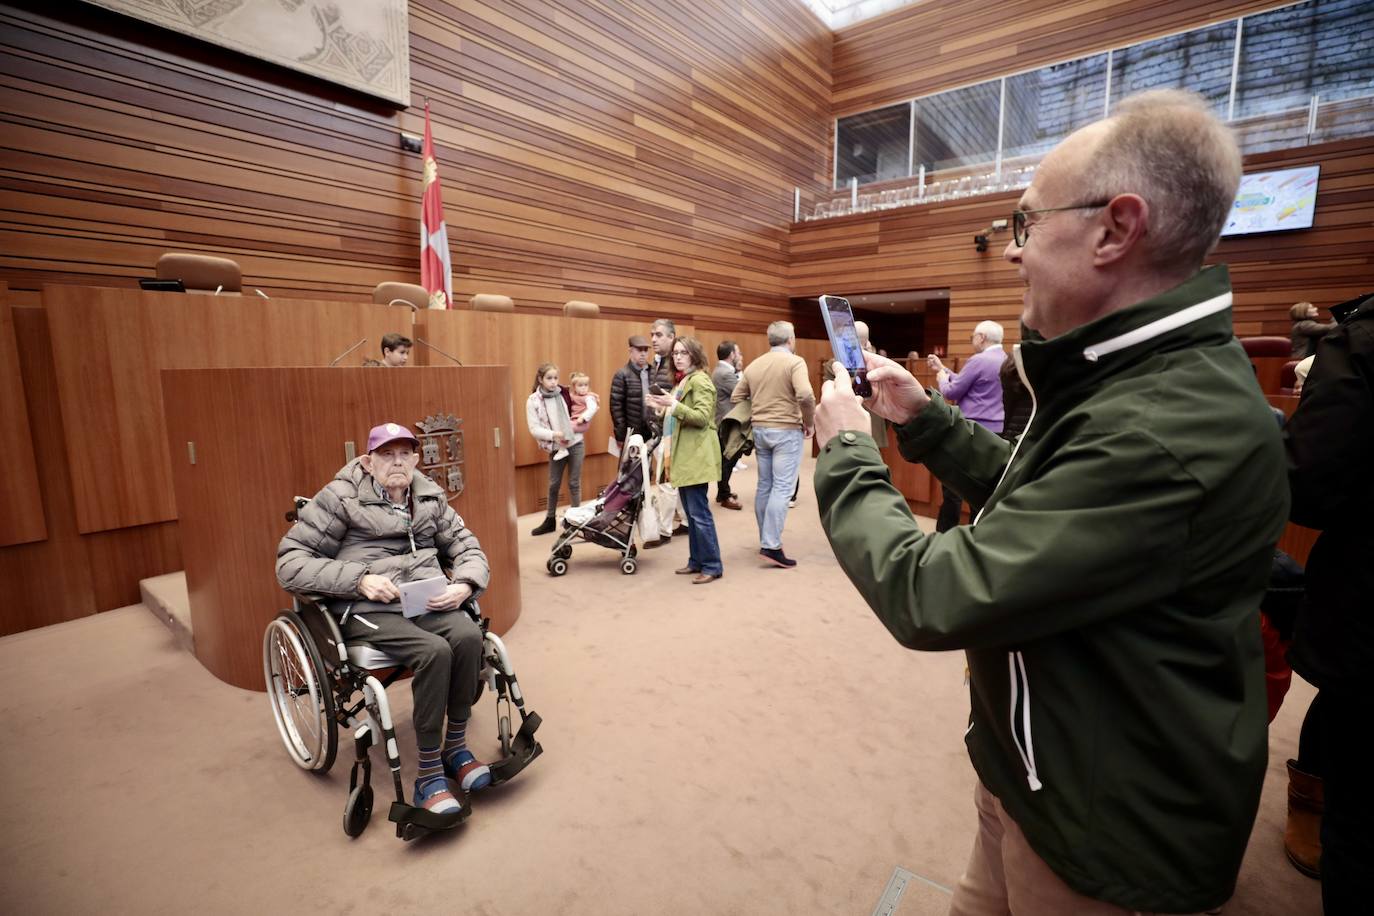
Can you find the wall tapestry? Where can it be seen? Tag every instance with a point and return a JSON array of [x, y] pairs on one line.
[[362, 44]]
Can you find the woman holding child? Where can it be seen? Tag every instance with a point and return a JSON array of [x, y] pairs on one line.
[[557, 418]]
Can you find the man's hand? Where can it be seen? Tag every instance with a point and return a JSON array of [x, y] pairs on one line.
[[934, 363], [378, 588], [808, 432], [897, 396], [840, 408], [452, 598]]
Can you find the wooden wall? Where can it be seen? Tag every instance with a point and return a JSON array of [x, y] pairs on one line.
[[957, 42], [21, 505], [639, 155], [932, 246]]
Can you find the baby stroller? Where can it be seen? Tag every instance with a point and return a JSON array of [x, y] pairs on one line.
[[610, 521]]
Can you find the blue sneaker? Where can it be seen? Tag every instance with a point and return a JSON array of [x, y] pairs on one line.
[[464, 769], [433, 795]]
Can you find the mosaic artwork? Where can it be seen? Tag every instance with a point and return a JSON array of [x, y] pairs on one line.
[[362, 44]]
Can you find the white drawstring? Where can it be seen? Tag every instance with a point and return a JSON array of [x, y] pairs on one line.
[[1016, 670]]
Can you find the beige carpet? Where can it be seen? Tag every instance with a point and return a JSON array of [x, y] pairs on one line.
[[758, 745]]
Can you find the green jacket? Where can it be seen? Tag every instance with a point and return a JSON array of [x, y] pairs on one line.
[[1107, 595], [696, 448]]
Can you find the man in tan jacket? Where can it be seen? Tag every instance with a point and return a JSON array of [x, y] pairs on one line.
[[783, 404]]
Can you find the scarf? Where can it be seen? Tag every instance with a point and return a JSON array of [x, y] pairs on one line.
[[558, 412]]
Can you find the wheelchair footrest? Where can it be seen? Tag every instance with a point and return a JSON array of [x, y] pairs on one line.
[[413, 823], [523, 751]]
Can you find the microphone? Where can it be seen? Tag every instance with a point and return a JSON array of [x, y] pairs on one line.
[[218, 288], [437, 350], [261, 293], [346, 352], [413, 306]]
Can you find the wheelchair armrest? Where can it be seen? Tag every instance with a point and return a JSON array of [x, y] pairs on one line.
[[298, 503]]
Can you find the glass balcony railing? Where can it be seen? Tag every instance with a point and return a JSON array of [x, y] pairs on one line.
[[1284, 78]]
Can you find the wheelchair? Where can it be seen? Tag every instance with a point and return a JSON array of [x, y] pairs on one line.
[[317, 684]]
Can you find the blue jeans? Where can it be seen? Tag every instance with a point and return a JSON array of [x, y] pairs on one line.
[[779, 454], [703, 550]]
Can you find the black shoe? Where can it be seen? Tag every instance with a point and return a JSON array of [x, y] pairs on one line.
[[547, 525], [650, 545], [680, 529], [775, 556]]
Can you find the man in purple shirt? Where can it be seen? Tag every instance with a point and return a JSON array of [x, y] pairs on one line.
[[977, 391]]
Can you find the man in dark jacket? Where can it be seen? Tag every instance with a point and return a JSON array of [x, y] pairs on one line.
[[1330, 443], [377, 525], [1106, 595], [725, 377], [628, 387]]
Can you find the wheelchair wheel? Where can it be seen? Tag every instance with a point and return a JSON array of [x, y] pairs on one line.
[[558, 566], [358, 811], [299, 691]]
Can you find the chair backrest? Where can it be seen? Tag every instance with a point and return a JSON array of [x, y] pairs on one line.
[[201, 272], [489, 302], [576, 308], [1288, 377], [409, 293], [1267, 346]]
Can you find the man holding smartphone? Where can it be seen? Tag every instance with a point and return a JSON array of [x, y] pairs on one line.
[[1105, 596]]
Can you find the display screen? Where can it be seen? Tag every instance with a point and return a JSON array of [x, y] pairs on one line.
[[1274, 201], [844, 338]]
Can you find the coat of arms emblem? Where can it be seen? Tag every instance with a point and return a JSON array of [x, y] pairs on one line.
[[441, 452]]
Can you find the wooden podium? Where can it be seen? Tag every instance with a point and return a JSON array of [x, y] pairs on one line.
[[243, 442]]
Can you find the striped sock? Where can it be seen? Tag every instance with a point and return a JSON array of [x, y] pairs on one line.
[[456, 738], [431, 790]]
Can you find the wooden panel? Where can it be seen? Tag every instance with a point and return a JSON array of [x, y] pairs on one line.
[[118, 560], [48, 581], [959, 43], [21, 504], [639, 155], [110, 344], [931, 247], [264, 435]]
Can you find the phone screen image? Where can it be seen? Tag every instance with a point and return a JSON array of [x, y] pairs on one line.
[[844, 340]]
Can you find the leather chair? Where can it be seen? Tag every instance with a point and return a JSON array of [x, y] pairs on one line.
[[1267, 346], [1288, 377], [201, 272], [577, 308], [489, 302], [411, 294]]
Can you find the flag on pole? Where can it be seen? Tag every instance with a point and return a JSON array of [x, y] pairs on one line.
[[436, 270]]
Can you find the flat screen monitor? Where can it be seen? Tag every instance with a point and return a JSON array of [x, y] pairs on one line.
[[1274, 201]]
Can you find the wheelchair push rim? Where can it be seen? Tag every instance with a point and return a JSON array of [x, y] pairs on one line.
[[298, 691]]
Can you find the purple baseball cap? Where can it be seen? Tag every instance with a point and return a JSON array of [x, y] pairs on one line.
[[389, 432]]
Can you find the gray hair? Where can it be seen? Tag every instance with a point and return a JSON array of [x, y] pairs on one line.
[[667, 325], [780, 332], [1170, 148], [991, 331]]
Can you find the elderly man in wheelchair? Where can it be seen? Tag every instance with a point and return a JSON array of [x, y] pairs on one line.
[[377, 529]]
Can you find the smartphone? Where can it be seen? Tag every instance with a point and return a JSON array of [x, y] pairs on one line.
[[844, 341], [656, 388]]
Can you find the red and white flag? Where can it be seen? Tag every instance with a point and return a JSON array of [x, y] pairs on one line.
[[436, 270]]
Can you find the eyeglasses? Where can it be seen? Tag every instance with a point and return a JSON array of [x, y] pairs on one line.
[[1020, 232]]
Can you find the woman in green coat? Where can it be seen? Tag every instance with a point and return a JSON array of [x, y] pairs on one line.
[[693, 455]]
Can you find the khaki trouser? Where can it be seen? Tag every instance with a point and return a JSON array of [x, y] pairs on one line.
[[1005, 876]]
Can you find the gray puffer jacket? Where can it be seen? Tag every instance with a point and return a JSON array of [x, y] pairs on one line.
[[348, 531]]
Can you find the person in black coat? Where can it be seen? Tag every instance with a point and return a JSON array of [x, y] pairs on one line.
[[627, 392], [1330, 445]]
